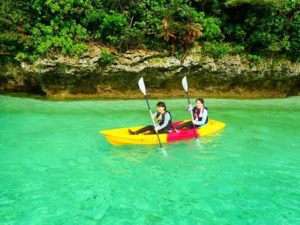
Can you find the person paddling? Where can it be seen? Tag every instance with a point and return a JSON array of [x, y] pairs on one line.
[[163, 122], [200, 116]]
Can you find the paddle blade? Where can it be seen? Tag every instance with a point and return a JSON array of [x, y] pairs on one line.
[[185, 84], [197, 142], [164, 152], [142, 86]]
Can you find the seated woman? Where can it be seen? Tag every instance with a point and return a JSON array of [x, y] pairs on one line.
[[163, 122], [200, 116]]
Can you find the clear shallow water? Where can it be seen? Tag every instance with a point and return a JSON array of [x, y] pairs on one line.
[[55, 168]]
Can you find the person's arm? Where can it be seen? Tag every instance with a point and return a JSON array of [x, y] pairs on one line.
[[202, 122], [167, 119]]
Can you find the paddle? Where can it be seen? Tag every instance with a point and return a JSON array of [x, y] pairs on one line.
[[143, 90], [186, 89]]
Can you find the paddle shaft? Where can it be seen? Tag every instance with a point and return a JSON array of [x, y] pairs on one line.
[[153, 121], [189, 102]]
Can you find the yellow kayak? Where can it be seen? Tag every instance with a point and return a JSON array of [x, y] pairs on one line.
[[121, 136]]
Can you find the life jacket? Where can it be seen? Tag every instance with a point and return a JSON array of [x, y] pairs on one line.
[[198, 114], [160, 119]]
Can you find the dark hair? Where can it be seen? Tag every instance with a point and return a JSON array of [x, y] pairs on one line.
[[161, 104], [200, 100]]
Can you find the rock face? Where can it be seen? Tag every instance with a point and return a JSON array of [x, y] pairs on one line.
[[87, 76], [14, 78]]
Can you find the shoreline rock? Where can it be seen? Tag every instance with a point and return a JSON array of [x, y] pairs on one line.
[[86, 77]]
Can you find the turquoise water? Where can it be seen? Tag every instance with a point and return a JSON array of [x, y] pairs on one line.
[[55, 168]]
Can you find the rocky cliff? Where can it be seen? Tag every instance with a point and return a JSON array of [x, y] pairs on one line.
[[87, 76]]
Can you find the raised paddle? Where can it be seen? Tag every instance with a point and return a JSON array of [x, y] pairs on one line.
[[186, 89], [143, 90]]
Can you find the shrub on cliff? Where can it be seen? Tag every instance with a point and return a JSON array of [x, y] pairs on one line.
[[219, 50], [106, 57]]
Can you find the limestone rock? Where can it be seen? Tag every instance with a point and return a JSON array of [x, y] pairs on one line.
[[86, 75]]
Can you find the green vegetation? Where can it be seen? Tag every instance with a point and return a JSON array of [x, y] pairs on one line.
[[263, 28], [219, 50], [106, 57]]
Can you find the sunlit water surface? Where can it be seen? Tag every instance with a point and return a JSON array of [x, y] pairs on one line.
[[56, 168]]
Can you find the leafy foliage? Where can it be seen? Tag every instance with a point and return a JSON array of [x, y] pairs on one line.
[[35, 28], [219, 50], [106, 57]]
